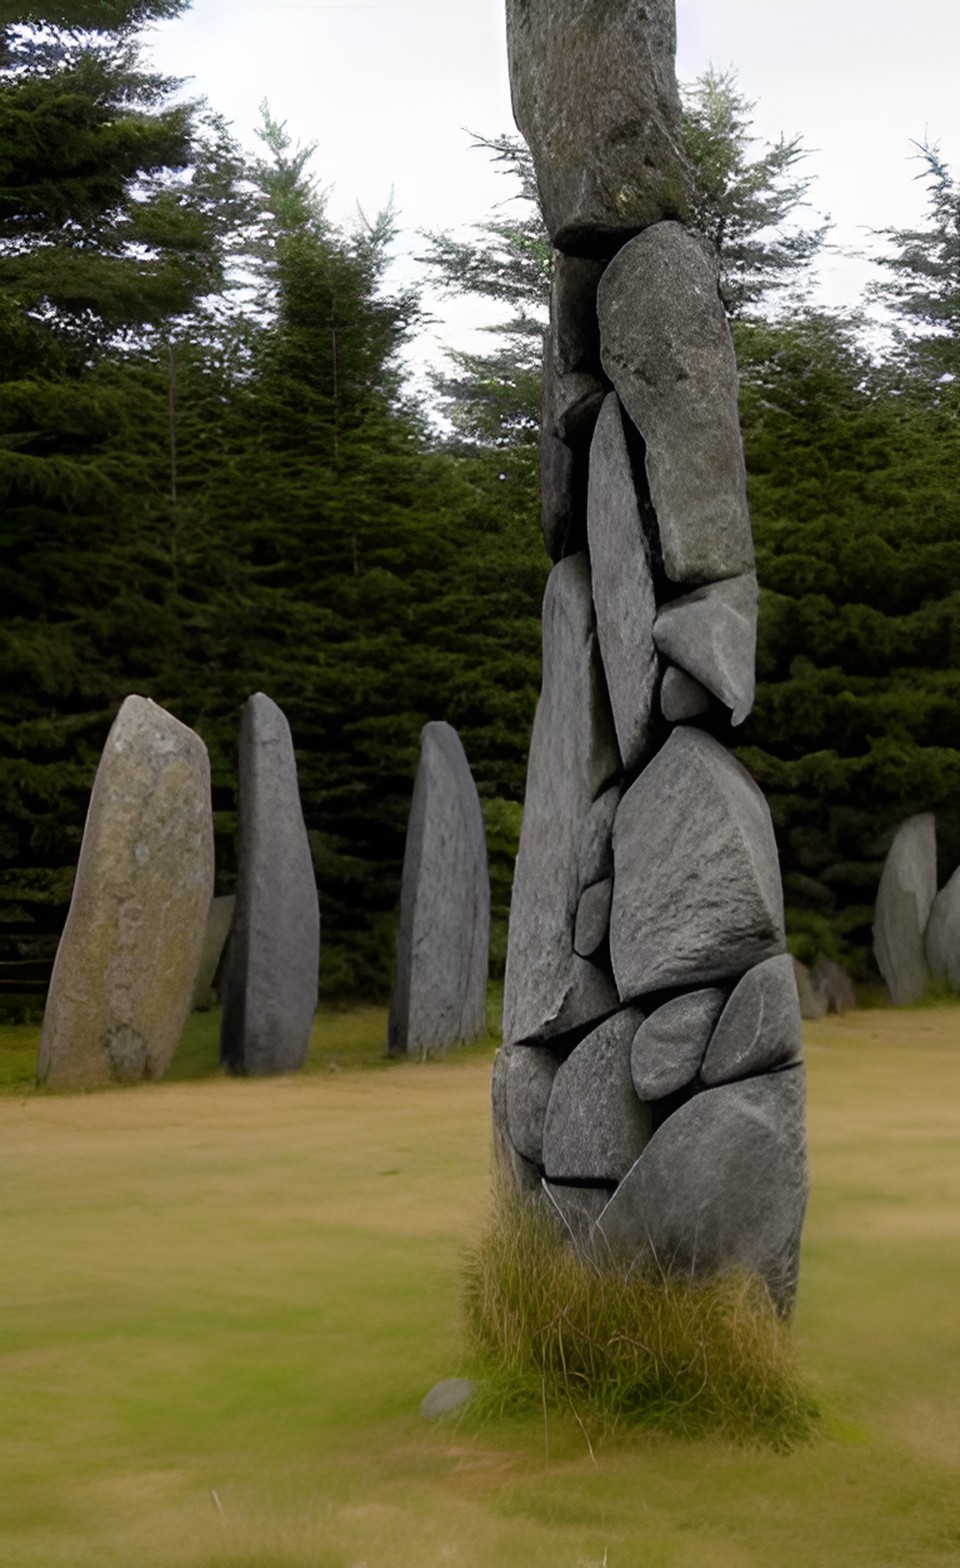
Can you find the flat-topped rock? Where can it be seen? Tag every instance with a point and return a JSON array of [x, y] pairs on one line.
[[712, 634], [669, 1045], [696, 891], [548, 990], [722, 1184], [269, 987], [595, 97], [666, 347], [942, 942], [759, 1029], [623, 590], [596, 1126], [123, 979], [439, 996], [908, 887]]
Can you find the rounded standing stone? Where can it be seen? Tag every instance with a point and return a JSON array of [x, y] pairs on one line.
[[943, 935], [124, 974], [908, 887]]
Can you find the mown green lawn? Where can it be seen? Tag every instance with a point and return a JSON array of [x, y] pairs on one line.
[[223, 1301]]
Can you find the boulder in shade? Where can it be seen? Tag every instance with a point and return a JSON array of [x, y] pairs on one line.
[[125, 969], [578, 1209], [530, 1071], [519, 1173], [943, 935], [595, 1125], [593, 918], [219, 921], [443, 938], [908, 887], [834, 986], [759, 1029], [722, 1184], [681, 697], [666, 347], [269, 987], [712, 634], [548, 989], [696, 890], [622, 586], [574, 329], [595, 97], [669, 1045]]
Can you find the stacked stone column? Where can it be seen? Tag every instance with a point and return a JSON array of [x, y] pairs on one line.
[[651, 1080]]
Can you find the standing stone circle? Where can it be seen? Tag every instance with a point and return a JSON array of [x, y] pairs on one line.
[[440, 980], [124, 974], [269, 986]]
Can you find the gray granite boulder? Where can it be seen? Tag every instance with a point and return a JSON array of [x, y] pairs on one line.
[[595, 96], [548, 989], [623, 591], [269, 986], [942, 940], [595, 1125], [440, 981], [834, 986], [219, 921], [520, 1174], [593, 918], [722, 1184], [578, 1208], [595, 852], [696, 890], [759, 1029], [666, 347], [812, 1004], [681, 697], [712, 634], [669, 1045], [124, 974], [530, 1071], [908, 887]]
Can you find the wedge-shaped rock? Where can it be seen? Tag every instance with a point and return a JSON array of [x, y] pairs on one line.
[[219, 921], [943, 935], [669, 1045], [681, 697], [514, 1169], [595, 1125], [908, 887], [593, 918], [578, 1209], [721, 1185], [531, 1070], [269, 989], [667, 349], [696, 887], [759, 1029], [443, 937], [595, 96], [622, 585], [547, 988], [123, 979], [712, 634]]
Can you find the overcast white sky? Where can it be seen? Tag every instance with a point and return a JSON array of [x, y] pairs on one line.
[[386, 89]]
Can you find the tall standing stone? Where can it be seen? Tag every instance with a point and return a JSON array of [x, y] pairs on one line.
[[908, 887], [269, 987], [123, 979], [440, 980]]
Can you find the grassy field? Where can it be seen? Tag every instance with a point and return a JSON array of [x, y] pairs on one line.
[[223, 1301]]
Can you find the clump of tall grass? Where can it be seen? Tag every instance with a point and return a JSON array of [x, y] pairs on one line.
[[624, 1348]]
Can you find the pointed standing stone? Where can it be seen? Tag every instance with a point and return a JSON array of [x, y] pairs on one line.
[[269, 990], [124, 974], [908, 887], [440, 981]]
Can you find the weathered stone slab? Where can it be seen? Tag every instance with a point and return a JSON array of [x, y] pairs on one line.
[[908, 887], [578, 1209], [622, 585], [269, 988], [440, 981], [123, 979], [593, 918], [531, 1070], [522, 1175], [759, 1029], [712, 634], [595, 96], [943, 935], [219, 921], [595, 1125], [669, 1045], [722, 1184], [681, 697], [666, 347], [812, 1004], [696, 891], [834, 986], [547, 988]]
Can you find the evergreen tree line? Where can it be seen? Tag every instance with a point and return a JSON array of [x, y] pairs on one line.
[[212, 481]]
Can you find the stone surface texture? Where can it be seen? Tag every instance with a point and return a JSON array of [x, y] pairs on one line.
[[669, 1045], [269, 987], [531, 1070], [722, 1183], [759, 1029], [942, 942], [219, 921], [681, 697], [593, 918], [443, 937], [908, 887], [578, 1209], [595, 1125], [595, 96], [573, 755], [696, 892], [712, 634], [521, 1174], [595, 851], [123, 979], [666, 347], [623, 590]]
